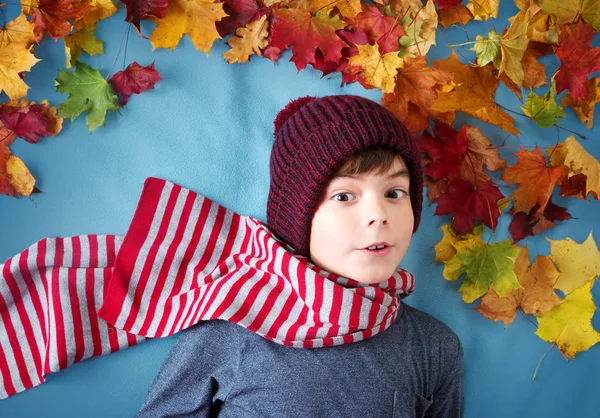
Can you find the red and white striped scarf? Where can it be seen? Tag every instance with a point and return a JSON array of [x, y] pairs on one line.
[[184, 259]]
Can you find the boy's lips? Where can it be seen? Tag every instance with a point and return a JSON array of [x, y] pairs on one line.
[[377, 253]]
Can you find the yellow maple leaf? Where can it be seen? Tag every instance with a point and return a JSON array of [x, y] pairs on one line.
[[81, 40], [250, 39], [19, 176], [377, 70], [578, 263], [569, 324], [584, 108], [579, 162], [348, 8], [196, 19], [18, 31], [13, 60], [428, 14], [100, 9], [513, 45], [446, 248], [483, 9]]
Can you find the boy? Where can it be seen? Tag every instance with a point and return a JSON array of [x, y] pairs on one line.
[[346, 192]]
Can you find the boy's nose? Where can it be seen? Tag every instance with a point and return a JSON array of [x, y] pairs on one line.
[[376, 214]]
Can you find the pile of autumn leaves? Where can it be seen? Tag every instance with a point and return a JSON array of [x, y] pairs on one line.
[[382, 46]]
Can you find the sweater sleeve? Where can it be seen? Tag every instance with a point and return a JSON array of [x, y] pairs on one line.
[[448, 399], [198, 373]]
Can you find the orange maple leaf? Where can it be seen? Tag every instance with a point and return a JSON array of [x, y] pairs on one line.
[[416, 89], [473, 95], [536, 179], [53, 16]]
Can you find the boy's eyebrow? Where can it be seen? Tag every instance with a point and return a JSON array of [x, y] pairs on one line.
[[400, 173]]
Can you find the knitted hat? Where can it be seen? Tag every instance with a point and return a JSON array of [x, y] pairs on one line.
[[313, 138]]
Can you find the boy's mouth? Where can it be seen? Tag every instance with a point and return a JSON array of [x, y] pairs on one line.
[[377, 248]]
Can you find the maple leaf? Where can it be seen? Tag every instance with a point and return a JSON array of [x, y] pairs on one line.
[[445, 149], [543, 109], [98, 10], [196, 19], [584, 108], [306, 32], [447, 247], [140, 9], [239, 14], [414, 92], [420, 26], [483, 9], [535, 177], [377, 70], [579, 166], [569, 324], [249, 40], [513, 45], [15, 178], [18, 31], [485, 266], [568, 11], [28, 121], [446, 4], [348, 8], [535, 73], [81, 40], [535, 297], [488, 49], [53, 16], [578, 263], [578, 60], [468, 204], [473, 95], [381, 29], [532, 223], [88, 91], [480, 154], [134, 79], [456, 14], [13, 60]]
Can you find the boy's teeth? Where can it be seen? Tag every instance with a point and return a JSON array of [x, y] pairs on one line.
[[376, 247]]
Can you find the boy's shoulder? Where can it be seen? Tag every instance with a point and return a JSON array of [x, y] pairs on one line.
[[427, 327]]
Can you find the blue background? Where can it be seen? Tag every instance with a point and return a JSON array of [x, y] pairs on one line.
[[208, 127]]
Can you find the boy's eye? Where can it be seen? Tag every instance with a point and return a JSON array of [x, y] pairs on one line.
[[343, 197], [398, 192]]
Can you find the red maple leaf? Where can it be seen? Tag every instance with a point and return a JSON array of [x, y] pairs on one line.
[[53, 16], [381, 29], [240, 13], [305, 32], [352, 36], [445, 149], [469, 204], [140, 9], [446, 4], [578, 59], [27, 123], [527, 224], [134, 79]]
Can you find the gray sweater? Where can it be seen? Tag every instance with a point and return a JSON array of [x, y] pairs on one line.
[[412, 369]]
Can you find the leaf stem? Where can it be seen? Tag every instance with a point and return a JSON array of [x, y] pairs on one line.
[[119, 51], [539, 362], [526, 317]]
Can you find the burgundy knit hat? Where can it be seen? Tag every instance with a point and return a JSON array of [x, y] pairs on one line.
[[313, 138]]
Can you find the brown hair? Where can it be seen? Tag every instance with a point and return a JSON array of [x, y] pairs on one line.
[[377, 160]]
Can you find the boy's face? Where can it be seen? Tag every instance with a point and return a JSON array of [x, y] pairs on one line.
[[356, 212]]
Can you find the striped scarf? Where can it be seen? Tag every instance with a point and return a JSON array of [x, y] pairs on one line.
[[184, 259]]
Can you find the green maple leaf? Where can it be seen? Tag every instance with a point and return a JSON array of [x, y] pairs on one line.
[[488, 49], [412, 29], [543, 110], [88, 91], [568, 10], [484, 265]]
